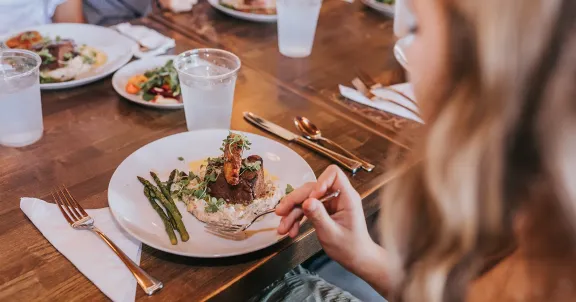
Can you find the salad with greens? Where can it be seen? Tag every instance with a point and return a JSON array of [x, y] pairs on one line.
[[159, 85]]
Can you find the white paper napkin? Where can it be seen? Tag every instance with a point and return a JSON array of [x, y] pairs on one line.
[[147, 37], [383, 104], [91, 256]]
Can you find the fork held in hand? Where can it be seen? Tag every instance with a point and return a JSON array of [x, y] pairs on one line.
[[80, 220], [231, 229]]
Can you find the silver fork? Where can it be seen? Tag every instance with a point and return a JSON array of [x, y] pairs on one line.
[[80, 220], [231, 229]]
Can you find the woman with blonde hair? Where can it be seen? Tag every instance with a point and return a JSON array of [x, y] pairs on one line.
[[494, 174]]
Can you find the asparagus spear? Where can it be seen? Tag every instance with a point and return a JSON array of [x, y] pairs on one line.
[[171, 181], [165, 219], [168, 214], [165, 191], [169, 208]]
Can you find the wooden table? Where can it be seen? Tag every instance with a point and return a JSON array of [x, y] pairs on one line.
[[89, 130], [349, 36]]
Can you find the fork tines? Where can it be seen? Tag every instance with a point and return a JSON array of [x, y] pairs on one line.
[[68, 205]]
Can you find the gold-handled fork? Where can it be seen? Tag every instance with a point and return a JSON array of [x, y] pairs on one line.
[[370, 83], [231, 229], [80, 220]]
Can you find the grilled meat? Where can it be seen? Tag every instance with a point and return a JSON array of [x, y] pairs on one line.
[[232, 159], [251, 185], [57, 53]]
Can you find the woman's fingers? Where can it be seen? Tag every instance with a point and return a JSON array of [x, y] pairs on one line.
[[289, 220], [294, 230], [296, 197], [315, 211], [332, 179]]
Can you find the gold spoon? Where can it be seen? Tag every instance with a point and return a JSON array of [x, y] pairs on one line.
[[312, 132]]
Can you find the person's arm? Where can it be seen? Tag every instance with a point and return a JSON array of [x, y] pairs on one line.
[[340, 225], [69, 12]]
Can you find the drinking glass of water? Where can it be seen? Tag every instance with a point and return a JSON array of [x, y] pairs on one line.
[[207, 79], [297, 21], [20, 106]]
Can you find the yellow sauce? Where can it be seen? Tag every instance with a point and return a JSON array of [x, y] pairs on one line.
[[270, 176], [194, 166]]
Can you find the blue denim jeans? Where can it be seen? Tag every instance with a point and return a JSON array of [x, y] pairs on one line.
[[303, 285]]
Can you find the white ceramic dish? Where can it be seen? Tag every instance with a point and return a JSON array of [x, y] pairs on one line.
[[386, 9], [120, 79], [242, 15], [118, 49], [400, 50], [134, 214]]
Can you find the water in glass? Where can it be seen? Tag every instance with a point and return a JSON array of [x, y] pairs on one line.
[[297, 20], [207, 83], [20, 106]]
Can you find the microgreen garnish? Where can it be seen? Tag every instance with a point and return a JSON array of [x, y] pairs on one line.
[[213, 204], [289, 189], [88, 59], [29, 35], [46, 56], [237, 140], [180, 158], [251, 166], [215, 161]]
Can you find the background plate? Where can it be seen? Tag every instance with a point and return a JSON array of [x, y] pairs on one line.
[[118, 48], [243, 15], [386, 9], [120, 79]]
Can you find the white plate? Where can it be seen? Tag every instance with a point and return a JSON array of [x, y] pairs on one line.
[[135, 215], [400, 51], [386, 9], [118, 48], [242, 15], [120, 79]]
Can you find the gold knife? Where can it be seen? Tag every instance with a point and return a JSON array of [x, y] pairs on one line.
[[348, 163]]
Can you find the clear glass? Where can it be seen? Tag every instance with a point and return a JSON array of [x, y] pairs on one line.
[[207, 78], [20, 106], [297, 20]]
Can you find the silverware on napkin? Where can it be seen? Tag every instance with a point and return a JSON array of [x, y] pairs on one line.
[[80, 220], [364, 84], [350, 164]]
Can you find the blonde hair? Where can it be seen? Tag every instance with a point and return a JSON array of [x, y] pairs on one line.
[[501, 140]]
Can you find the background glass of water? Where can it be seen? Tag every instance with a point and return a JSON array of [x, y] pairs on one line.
[[207, 78], [297, 21], [20, 106]]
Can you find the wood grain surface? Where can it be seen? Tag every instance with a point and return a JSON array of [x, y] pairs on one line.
[[89, 131]]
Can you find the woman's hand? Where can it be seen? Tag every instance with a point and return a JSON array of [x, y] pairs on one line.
[[340, 223]]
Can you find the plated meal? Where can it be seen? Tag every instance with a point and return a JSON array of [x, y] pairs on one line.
[[62, 59], [151, 82], [228, 189], [264, 7], [251, 10], [159, 85], [205, 184], [73, 54]]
